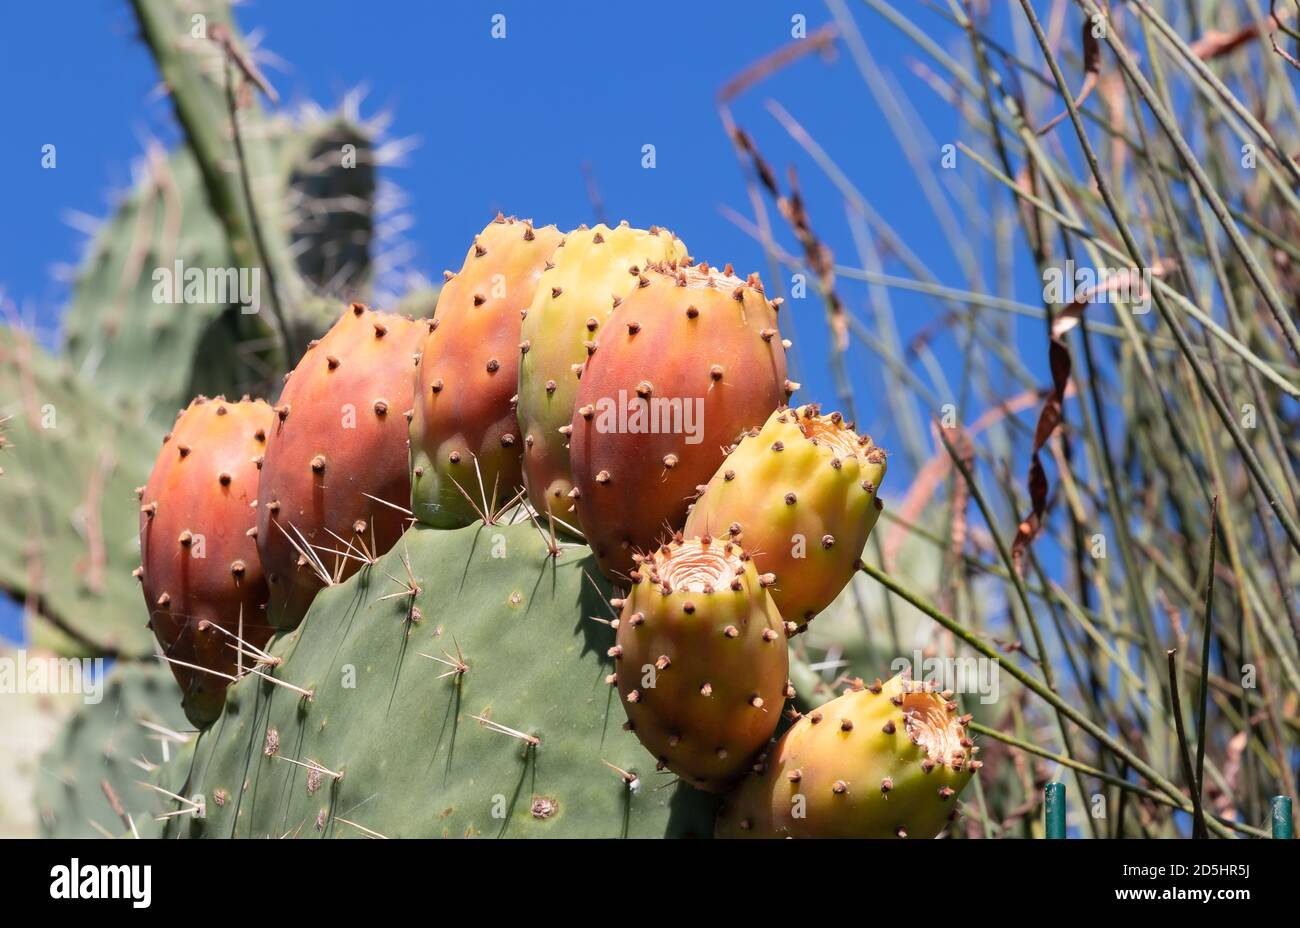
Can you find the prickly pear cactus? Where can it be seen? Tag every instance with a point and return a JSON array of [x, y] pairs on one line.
[[457, 688], [146, 353], [801, 494], [122, 311], [336, 481], [702, 660], [89, 782], [202, 579], [687, 364], [594, 270], [68, 466], [881, 761], [325, 163], [465, 442]]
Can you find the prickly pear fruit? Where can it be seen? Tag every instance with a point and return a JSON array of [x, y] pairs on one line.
[[336, 479], [594, 270], [801, 495], [202, 579], [686, 365], [464, 438], [881, 761], [701, 660]]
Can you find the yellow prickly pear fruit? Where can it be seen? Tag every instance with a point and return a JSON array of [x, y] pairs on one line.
[[881, 761], [702, 660], [800, 494]]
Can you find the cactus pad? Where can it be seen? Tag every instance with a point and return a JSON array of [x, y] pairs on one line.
[[457, 689], [90, 776], [68, 463]]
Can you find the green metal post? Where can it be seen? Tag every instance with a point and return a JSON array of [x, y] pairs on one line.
[[1054, 810], [1283, 824]]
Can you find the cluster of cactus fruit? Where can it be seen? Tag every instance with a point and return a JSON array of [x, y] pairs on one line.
[[597, 388]]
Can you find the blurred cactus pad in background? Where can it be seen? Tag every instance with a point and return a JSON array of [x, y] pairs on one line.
[[971, 374]]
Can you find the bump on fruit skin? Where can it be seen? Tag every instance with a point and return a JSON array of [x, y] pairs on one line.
[[199, 564], [339, 439], [699, 625], [894, 770], [802, 494], [691, 340], [468, 376], [594, 270]]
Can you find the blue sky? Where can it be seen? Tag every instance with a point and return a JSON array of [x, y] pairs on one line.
[[501, 124]]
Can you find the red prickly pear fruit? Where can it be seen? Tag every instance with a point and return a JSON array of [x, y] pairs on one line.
[[687, 364], [881, 761], [336, 480], [802, 495], [199, 569], [701, 660], [593, 271], [465, 440]]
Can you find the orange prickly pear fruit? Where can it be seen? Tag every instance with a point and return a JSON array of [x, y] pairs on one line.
[[593, 271], [687, 364], [336, 479], [465, 441], [881, 761], [199, 569]]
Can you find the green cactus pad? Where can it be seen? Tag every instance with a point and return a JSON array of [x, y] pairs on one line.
[[70, 464], [393, 715], [142, 353], [109, 747]]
